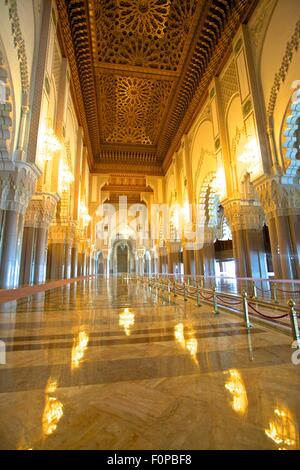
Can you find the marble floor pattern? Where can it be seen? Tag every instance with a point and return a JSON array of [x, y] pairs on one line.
[[109, 364]]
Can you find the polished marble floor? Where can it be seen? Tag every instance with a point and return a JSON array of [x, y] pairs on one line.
[[109, 364]]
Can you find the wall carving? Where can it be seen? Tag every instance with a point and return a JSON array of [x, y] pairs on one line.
[[6, 114], [19, 43], [229, 84], [280, 76]]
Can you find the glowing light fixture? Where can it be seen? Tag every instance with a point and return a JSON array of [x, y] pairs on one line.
[[86, 218], [49, 144], [218, 184], [250, 155]]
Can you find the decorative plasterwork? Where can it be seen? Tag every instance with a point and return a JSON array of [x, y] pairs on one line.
[[258, 25], [62, 232], [5, 110], [130, 108], [185, 52], [17, 184], [40, 210], [280, 76], [143, 33], [243, 215], [229, 84], [19, 43], [278, 198]]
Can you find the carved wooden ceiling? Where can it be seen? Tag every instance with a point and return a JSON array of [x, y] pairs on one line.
[[140, 70]]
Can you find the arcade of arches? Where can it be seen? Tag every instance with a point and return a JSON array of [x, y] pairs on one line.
[[157, 137]]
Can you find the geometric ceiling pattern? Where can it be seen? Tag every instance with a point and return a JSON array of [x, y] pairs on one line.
[[140, 71]]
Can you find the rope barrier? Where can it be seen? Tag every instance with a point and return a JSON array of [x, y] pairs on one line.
[[206, 298], [192, 291], [267, 316], [262, 290], [229, 302], [288, 291]]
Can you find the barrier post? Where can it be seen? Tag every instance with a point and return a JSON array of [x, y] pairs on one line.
[[254, 290], [184, 292], [215, 303], [174, 289], [274, 293], [246, 310], [294, 323], [198, 296]]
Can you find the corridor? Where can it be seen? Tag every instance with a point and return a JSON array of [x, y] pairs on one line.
[[110, 364]]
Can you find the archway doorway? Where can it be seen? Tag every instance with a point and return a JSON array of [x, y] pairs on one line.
[[122, 258]]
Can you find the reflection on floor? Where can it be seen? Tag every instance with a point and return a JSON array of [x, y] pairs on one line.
[[110, 365]]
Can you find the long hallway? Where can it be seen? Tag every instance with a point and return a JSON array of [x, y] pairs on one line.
[[110, 364]]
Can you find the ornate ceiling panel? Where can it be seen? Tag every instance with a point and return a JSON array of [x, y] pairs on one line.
[[143, 66]]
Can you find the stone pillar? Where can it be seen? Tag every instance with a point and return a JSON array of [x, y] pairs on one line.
[[61, 239], [40, 260], [281, 203], [37, 220], [17, 182], [246, 220], [74, 261], [27, 257], [186, 261]]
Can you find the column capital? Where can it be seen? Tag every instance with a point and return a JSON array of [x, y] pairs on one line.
[[40, 210], [62, 232], [279, 195], [17, 184], [243, 214]]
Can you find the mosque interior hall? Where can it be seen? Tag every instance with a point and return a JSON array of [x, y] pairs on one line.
[[149, 225]]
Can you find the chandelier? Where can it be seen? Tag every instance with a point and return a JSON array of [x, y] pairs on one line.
[[84, 214], [50, 144]]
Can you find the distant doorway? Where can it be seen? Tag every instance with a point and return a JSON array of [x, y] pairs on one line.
[[122, 258]]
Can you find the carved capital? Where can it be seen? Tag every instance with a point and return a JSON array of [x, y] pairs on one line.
[[278, 196], [40, 210], [17, 184], [60, 232], [243, 214]]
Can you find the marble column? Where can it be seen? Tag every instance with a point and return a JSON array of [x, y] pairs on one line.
[[199, 266], [56, 261], [209, 259], [186, 261], [74, 261], [294, 222], [68, 261], [27, 257], [285, 246], [13, 204], [12, 232], [40, 255]]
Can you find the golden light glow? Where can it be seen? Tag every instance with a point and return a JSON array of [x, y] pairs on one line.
[[236, 387], [126, 320], [250, 155], [53, 410], [49, 144], [79, 349], [190, 344], [283, 429], [218, 184], [84, 215], [67, 176]]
